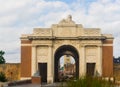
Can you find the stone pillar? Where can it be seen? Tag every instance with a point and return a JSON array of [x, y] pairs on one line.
[[99, 61], [34, 59], [50, 66], [82, 62]]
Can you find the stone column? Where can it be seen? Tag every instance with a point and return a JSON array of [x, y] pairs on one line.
[[50, 66], [34, 59], [82, 62], [99, 61]]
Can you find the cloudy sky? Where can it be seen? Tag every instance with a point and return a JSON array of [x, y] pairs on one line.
[[21, 16]]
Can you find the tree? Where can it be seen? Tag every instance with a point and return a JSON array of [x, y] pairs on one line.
[[2, 60], [2, 77]]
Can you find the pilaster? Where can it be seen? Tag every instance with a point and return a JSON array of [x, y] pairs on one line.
[[50, 66], [99, 61], [34, 60], [82, 61]]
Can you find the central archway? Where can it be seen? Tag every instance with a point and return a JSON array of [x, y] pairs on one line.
[[65, 50]]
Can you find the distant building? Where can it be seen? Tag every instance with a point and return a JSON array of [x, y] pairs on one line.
[[67, 59], [41, 51], [69, 68]]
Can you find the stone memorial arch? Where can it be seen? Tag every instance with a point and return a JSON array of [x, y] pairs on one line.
[[41, 50]]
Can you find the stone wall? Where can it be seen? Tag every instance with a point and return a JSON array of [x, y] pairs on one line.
[[11, 70]]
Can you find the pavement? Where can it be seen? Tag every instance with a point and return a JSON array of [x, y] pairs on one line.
[[44, 85], [37, 85], [26, 85]]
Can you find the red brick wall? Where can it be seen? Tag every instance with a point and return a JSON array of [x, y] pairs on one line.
[[25, 42], [107, 59], [25, 59], [36, 80]]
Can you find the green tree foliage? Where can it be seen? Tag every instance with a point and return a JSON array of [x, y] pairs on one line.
[[2, 60], [2, 77]]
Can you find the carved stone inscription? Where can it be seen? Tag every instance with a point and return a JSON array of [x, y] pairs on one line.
[[91, 54], [92, 32], [65, 32], [42, 32], [42, 54]]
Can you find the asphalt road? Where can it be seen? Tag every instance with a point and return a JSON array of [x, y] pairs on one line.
[[37, 85]]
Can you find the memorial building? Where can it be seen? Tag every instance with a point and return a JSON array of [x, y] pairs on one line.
[[41, 51]]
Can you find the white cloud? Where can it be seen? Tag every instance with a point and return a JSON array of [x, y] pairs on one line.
[[21, 16], [116, 45], [7, 20], [8, 5]]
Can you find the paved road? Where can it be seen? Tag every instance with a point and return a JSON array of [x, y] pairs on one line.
[[44, 85], [37, 85], [26, 85]]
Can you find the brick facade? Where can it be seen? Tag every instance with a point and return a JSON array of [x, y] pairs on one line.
[[25, 59], [107, 55]]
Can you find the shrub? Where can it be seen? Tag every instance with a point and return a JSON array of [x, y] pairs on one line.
[[89, 82], [2, 77]]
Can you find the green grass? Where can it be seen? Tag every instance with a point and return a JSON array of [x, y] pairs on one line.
[[88, 82]]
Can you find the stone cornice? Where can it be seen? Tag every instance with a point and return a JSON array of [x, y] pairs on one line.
[[40, 37], [92, 37], [67, 38]]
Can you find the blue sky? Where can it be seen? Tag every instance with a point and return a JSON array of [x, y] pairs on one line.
[[21, 16]]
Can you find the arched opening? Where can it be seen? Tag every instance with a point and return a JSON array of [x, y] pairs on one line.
[[66, 68], [68, 51]]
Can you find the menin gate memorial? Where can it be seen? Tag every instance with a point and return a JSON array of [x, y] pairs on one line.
[[41, 50]]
